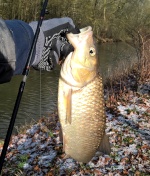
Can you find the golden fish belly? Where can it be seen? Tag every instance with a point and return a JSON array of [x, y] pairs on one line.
[[83, 136]]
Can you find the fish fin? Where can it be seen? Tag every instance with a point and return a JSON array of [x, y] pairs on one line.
[[68, 101], [66, 156], [105, 145], [64, 143], [60, 135]]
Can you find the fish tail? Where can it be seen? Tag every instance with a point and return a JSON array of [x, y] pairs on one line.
[[105, 145]]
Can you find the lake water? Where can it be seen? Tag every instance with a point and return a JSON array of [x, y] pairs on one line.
[[40, 93]]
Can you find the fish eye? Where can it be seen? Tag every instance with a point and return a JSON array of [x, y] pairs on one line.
[[92, 51]]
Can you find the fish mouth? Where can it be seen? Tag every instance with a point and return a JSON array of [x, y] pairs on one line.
[[85, 30]]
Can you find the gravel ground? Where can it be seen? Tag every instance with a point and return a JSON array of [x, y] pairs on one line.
[[38, 151]]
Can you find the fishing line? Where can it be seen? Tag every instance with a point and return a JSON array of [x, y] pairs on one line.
[[40, 93]]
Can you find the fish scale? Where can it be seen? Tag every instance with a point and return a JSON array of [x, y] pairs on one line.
[[84, 134]]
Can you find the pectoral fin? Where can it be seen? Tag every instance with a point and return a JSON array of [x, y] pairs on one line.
[[60, 135], [105, 145], [64, 142], [68, 105]]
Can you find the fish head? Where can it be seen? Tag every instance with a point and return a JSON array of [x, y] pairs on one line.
[[83, 60]]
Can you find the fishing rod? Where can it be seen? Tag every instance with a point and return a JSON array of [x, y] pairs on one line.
[[22, 85]]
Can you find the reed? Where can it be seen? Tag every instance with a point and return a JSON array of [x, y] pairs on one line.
[[145, 60], [118, 85]]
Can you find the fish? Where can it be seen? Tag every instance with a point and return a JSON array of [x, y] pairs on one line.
[[81, 107]]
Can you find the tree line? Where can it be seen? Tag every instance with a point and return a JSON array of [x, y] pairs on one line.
[[110, 19]]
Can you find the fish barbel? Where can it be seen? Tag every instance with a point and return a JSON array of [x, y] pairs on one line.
[[80, 100]]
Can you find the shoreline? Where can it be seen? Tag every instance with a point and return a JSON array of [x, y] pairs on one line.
[[39, 151]]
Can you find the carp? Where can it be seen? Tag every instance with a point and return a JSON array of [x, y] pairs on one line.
[[80, 100]]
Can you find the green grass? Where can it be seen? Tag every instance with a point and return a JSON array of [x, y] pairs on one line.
[[1, 142], [22, 160]]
